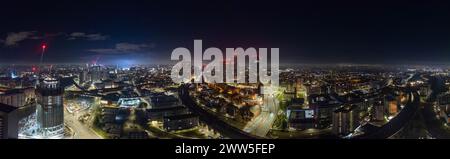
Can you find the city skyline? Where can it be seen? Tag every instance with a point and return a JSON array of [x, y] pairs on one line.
[[78, 70], [224, 79]]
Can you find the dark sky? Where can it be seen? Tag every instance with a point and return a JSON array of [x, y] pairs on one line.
[[131, 31]]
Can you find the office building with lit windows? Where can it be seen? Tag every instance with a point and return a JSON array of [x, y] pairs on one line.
[[345, 120], [50, 109]]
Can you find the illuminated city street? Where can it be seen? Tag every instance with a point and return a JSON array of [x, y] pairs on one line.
[[81, 131]]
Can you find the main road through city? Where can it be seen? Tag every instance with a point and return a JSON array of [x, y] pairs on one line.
[[80, 131], [261, 124]]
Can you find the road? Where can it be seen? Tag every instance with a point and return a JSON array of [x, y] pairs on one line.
[[398, 122], [213, 121], [305, 134], [81, 131], [261, 124]]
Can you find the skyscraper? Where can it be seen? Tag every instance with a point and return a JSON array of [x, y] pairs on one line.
[[96, 73], [50, 109], [82, 77]]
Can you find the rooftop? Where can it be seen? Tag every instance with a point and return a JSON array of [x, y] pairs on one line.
[[6, 108], [166, 109], [346, 108]]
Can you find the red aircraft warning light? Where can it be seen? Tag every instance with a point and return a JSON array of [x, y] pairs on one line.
[[44, 46]]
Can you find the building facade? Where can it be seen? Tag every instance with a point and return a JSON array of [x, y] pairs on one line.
[[50, 109], [345, 120], [17, 97], [180, 122]]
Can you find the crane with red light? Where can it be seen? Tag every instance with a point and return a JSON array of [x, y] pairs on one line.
[[44, 46]]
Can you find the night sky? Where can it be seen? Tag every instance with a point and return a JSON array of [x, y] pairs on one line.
[[144, 32]]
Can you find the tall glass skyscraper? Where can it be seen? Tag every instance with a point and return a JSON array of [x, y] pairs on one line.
[[50, 109]]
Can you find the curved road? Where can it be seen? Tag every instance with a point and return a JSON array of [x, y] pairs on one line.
[[217, 124], [262, 124], [397, 123]]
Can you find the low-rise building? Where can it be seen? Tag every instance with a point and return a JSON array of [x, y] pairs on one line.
[[180, 122], [157, 114], [160, 101], [109, 114], [300, 118]]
